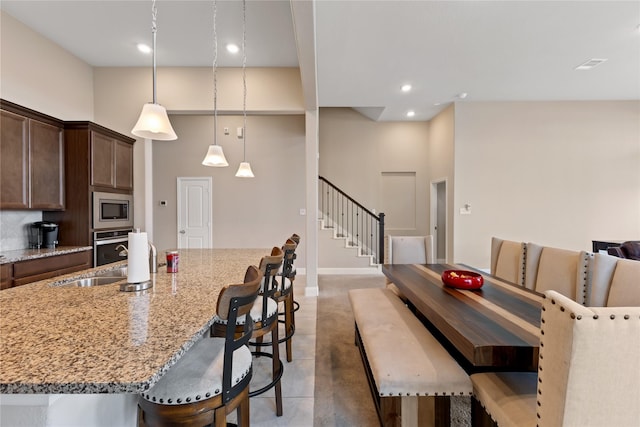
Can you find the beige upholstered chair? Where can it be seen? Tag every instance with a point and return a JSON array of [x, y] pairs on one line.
[[409, 250], [507, 260], [561, 270], [588, 371], [615, 282]]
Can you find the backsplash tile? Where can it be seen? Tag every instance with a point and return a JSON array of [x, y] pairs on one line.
[[13, 228]]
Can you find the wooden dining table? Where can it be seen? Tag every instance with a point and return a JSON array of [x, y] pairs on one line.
[[496, 327]]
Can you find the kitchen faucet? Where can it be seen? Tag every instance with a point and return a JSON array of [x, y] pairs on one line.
[[153, 256]]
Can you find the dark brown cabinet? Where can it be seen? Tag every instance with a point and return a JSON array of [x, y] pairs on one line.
[[96, 159], [29, 271], [111, 162], [31, 159]]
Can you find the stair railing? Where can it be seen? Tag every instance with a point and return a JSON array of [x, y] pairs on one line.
[[361, 227]]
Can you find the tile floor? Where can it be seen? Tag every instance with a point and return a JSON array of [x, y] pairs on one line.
[[298, 378]]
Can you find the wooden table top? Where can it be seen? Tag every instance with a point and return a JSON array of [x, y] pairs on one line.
[[496, 326]]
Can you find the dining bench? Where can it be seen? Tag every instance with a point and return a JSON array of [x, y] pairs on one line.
[[411, 375]]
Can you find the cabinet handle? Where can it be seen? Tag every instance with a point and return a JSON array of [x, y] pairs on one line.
[[182, 231]]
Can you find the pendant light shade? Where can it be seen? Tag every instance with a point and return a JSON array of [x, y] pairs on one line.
[[244, 171], [153, 122], [215, 157]]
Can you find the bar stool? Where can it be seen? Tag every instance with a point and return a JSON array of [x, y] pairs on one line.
[[212, 378], [284, 294], [265, 315]]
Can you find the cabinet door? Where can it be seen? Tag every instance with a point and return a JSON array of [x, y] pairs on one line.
[[46, 157], [124, 165], [14, 152], [102, 160]]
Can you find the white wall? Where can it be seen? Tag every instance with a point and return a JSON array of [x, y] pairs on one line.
[[247, 213], [355, 151], [39, 74], [441, 164], [554, 173]]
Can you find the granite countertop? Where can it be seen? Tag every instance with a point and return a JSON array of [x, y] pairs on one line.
[[60, 338], [27, 254]]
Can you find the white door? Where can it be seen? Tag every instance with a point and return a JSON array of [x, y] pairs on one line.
[[439, 219], [194, 212]]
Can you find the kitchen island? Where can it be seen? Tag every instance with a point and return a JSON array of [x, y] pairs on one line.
[[57, 338]]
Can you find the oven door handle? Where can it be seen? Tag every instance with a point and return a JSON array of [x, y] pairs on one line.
[[110, 241]]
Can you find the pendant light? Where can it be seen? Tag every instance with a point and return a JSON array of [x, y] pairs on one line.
[[215, 155], [153, 122], [244, 171]]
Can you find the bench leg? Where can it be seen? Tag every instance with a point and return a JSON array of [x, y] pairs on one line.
[[425, 411]]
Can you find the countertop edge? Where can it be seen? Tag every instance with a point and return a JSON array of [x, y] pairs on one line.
[[29, 254]]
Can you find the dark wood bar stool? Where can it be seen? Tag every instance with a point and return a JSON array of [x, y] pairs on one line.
[[265, 322], [212, 378], [284, 294]]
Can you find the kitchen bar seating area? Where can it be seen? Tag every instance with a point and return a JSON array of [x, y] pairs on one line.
[[442, 198]]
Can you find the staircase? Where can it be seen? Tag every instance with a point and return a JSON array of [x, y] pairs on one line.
[[349, 234]]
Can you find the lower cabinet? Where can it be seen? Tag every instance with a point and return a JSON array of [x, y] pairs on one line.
[[23, 272]]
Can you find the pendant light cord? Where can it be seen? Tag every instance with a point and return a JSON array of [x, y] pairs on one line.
[[244, 77], [154, 30], [215, 75]]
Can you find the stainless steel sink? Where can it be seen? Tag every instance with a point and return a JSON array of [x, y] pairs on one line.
[[118, 272], [94, 281]]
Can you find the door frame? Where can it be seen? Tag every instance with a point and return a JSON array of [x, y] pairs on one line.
[[433, 215], [179, 181]]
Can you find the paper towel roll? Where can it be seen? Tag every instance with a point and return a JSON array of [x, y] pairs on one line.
[[138, 255]]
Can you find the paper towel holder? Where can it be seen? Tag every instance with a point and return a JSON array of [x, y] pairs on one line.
[[135, 287]]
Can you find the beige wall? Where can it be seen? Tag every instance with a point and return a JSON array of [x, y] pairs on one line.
[[554, 173], [260, 212], [441, 164], [355, 151], [121, 92], [39, 74]]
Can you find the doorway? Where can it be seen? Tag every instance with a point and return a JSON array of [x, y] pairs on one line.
[[194, 213], [439, 218]]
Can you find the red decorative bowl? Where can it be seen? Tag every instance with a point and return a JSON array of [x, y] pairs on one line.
[[462, 279]]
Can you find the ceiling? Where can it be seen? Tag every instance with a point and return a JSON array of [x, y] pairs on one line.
[[365, 50]]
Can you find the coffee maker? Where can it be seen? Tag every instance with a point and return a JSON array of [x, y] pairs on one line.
[[43, 234]]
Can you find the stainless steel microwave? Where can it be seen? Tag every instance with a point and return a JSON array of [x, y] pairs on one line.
[[112, 210]]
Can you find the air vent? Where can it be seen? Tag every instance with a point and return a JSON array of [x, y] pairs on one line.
[[590, 64]]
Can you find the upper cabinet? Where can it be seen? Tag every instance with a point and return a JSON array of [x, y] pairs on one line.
[[108, 153], [31, 159], [111, 162]]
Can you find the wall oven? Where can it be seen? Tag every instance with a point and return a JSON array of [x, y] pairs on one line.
[[106, 246], [112, 210]]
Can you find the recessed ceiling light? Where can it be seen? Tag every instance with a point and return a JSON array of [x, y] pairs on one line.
[[406, 88], [590, 64], [435, 104], [462, 95], [233, 48], [411, 113], [144, 48]]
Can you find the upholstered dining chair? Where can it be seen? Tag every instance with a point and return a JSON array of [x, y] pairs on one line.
[[562, 270], [409, 250], [507, 260], [212, 378], [265, 323], [615, 282], [588, 372]]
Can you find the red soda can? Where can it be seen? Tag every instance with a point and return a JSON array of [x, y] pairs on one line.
[[173, 257]]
